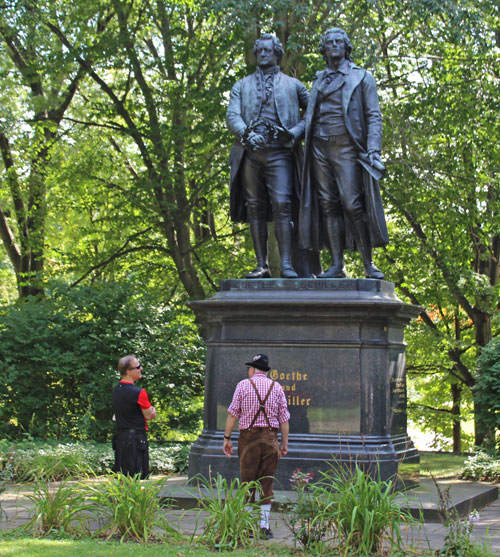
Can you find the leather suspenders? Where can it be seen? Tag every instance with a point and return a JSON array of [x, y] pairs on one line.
[[262, 403]]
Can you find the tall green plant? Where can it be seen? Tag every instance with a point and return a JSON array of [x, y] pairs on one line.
[[367, 512], [353, 514], [56, 510], [232, 519], [130, 508]]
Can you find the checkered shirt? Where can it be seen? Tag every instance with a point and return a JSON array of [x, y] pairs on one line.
[[245, 403]]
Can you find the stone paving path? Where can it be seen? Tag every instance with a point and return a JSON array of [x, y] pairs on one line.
[[15, 510], [429, 535]]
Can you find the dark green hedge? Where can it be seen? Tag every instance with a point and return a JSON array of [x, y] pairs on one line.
[[58, 359]]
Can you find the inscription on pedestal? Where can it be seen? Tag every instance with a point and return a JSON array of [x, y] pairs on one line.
[[397, 390], [275, 284], [289, 381]]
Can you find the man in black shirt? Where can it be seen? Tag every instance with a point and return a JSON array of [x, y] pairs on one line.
[[132, 409]]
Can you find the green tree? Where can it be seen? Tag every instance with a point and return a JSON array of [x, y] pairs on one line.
[[442, 138], [60, 358], [160, 75], [38, 84]]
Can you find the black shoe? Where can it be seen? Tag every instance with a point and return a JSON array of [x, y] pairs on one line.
[[259, 273], [372, 271], [287, 271], [266, 533], [335, 271]]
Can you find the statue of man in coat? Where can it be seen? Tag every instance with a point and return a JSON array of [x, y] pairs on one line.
[[264, 116], [341, 205]]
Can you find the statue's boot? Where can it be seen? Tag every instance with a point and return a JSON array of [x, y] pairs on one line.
[[334, 229], [258, 231], [284, 232], [360, 231]]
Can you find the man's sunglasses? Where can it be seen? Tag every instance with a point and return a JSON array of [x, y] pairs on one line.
[[136, 367]]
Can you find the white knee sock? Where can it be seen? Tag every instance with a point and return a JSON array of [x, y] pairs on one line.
[[264, 515]]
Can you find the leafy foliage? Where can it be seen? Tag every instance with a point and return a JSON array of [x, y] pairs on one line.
[[232, 519], [60, 359], [35, 460], [348, 512], [130, 508], [57, 510], [487, 389], [481, 467]]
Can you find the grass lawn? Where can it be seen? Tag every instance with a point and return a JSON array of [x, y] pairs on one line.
[[441, 465], [38, 547]]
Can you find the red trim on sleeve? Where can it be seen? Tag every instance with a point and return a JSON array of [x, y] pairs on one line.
[[143, 400]]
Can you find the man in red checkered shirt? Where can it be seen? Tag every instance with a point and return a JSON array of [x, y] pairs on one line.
[[259, 404]]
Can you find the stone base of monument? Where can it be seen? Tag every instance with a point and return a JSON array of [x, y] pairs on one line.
[[337, 348]]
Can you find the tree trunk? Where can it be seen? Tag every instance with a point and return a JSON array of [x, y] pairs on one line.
[[456, 394]]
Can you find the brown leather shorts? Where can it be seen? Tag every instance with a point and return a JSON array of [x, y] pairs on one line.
[[258, 451]]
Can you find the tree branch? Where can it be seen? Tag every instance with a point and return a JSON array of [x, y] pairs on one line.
[[120, 107], [15, 191], [450, 281], [9, 242], [120, 253]]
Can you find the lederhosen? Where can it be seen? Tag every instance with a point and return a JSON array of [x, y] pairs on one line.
[[258, 450]]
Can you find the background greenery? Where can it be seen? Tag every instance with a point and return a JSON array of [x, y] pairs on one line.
[[113, 181], [59, 357], [42, 461]]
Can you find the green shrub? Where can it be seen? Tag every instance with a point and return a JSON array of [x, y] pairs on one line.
[[59, 358], [487, 390], [481, 467], [351, 513], [232, 520], [31, 461], [129, 508], [366, 511], [55, 511]]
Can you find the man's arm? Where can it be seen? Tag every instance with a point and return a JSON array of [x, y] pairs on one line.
[[149, 413], [227, 447], [372, 115], [234, 119], [285, 428], [297, 132], [303, 94]]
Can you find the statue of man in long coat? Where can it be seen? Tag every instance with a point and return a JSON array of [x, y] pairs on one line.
[[341, 205], [264, 116]]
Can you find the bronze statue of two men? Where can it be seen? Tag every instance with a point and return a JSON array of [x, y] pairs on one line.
[[330, 196]]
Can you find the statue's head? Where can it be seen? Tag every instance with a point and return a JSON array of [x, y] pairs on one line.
[[347, 42], [277, 46]]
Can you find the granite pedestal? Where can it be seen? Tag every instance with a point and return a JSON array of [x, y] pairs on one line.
[[337, 348]]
